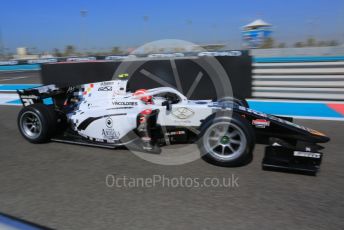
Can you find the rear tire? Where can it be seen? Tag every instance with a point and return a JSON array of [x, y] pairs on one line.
[[227, 141], [37, 123]]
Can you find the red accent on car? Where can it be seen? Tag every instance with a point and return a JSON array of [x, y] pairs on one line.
[[146, 99], [262, 122], [142, 119], [146, 112]]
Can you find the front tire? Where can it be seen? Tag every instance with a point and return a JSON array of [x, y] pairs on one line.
[[227, 141], [37, 123]]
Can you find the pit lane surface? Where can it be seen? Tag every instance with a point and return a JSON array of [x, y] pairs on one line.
[[63, 186]]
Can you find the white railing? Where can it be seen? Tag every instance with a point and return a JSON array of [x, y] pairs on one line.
[[299, 80]]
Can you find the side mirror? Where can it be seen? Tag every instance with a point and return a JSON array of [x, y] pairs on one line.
[[168, 105]]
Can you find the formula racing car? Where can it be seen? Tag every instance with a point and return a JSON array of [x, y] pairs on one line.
[[106, 114]]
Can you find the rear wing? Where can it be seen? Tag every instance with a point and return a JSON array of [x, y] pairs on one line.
[[42, 93]]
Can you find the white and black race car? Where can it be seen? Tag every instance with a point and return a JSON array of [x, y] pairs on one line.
[[105, 114]]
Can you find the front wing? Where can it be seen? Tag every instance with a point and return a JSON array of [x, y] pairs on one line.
[[291, 147]]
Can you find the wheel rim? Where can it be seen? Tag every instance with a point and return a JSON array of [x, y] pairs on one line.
[[224, 141], [30, 124]]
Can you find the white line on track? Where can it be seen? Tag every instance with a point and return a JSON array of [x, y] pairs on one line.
[[14, 78], [19, 71], [6, 97], [10, 105]]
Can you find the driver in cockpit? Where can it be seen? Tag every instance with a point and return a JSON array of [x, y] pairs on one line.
[[146, 120]]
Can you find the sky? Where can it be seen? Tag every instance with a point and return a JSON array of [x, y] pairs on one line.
[[48, 24]]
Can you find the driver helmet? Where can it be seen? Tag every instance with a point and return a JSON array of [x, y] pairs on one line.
[[146, 99]]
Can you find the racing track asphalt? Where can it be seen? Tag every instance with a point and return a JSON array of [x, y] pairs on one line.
[[63, 186]]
